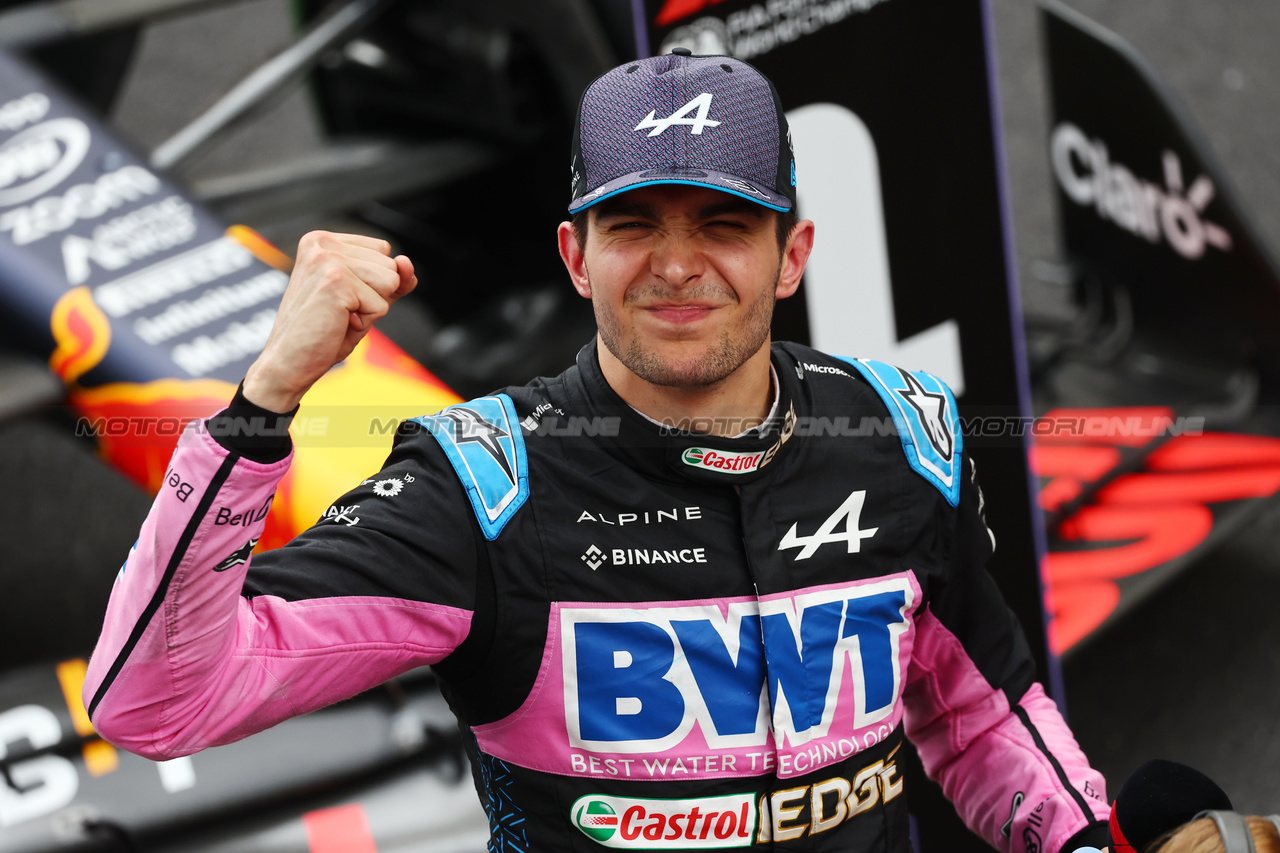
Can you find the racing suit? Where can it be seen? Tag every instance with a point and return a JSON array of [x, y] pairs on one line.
[[653, 637]]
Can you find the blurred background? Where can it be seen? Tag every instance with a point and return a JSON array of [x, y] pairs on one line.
[[1192, 674]]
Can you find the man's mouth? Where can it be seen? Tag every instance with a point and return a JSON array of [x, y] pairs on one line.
[[680, 313]]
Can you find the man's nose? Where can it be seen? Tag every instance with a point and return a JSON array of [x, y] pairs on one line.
[[677, 259]]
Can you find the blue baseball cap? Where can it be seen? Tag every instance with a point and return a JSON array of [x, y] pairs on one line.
[[711, 121]]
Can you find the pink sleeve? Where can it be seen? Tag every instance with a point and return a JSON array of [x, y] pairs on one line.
[[185, 661], [1015, 774]]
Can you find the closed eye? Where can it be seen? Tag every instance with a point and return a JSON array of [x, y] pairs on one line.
[[627, 225]]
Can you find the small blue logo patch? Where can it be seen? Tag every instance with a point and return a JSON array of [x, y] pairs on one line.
[[483, 441], [924, 412]]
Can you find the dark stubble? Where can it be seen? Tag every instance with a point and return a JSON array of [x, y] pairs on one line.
[[729, 352]]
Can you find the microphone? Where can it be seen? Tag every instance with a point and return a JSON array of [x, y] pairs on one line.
[[1157, 797]]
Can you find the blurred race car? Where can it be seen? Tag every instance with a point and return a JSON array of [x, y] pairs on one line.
[[428, 108]]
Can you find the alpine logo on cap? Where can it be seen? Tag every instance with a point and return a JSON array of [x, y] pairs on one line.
[[702, 104]]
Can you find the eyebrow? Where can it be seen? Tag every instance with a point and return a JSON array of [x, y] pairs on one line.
[[731, 205], [621, 206]]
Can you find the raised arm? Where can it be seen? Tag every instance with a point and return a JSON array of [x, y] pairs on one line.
[[189, 656]]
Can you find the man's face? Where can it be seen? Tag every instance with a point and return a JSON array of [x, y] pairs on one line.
[[682, 280]]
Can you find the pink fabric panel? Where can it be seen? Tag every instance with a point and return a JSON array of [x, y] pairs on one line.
[[949, 703], [985, 758], [213, 667], [295, 657], [132, 704]]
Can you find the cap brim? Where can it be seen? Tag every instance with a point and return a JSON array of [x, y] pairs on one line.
[[721, 181]]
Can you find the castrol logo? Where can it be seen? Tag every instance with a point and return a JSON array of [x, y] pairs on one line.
[[41, 157], [641, 824], [738, 462], [722, 460]]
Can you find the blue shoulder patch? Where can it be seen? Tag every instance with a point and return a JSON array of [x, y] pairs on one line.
[[924, 412], [483, 441]]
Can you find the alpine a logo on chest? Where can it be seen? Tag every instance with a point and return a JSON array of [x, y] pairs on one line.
[[849, 512]]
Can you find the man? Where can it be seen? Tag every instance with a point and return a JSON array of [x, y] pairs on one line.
[[671, 605]]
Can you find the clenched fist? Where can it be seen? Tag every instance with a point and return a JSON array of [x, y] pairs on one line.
[[341, 285]]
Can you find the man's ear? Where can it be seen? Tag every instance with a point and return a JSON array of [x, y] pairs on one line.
[[795, 254], [574, 261]]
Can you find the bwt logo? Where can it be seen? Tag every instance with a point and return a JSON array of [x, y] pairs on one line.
[[638, 679]]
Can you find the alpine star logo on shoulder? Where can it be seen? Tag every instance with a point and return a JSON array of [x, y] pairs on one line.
[[930, 406], [484, 443], [853, 534], [697, 123], [469, 425], [924, 413]]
